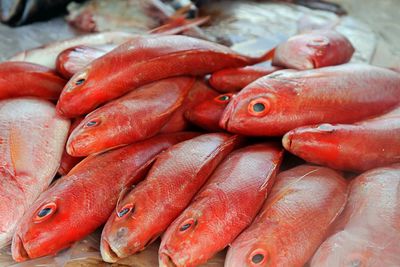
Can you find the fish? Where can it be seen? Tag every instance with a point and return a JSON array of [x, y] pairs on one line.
[[225, 206], [314, 49], [32, 137], [21, 79], [145, 212], [134, 117], [208, 113], [285, 100], [234, 79], [68, 161], [47, 55], [199, 92], [73, 59], [357, 147], [368, 233], [294, 220], [79, 203], [145, 59]]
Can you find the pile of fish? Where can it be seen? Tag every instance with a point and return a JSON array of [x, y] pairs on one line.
[[176, 137]]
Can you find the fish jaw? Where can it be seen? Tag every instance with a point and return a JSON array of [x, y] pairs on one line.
[[165, 259], [108, 253], [19, 252]]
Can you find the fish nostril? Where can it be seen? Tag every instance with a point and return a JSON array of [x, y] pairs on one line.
[[122, 232]]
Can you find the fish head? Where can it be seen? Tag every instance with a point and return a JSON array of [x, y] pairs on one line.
[[96, 131], [262, 108], [208, 113], [41, 231], [251, 251], [128, 231]]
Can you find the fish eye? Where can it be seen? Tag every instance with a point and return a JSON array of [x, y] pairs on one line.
[[258, 256], [223, 98], [92, 123], [125, 210], [45, 212], [259, 107], [319, 41], [79, 82], [326, 127], [187, 224]]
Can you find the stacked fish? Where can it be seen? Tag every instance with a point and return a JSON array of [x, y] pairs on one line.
[[133, 163]]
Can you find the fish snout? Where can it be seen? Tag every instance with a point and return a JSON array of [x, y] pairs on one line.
[[165, 260], [287, 140], [226, 117], [19, 252], [108, 252]]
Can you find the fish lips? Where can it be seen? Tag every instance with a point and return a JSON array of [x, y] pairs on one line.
[[110, 253], [18, 249]]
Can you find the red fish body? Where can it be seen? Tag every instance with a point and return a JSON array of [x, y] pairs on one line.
[[198, 93], [82, 201], [140, 61], [172, 182], [369, 234], [226, 205], [19, 79], [354, 147], [235, 79], [74, 59], [31, 144], [294, 220], [136, 116], [68, 161], [315, 49], [208, 113], [285, 100]]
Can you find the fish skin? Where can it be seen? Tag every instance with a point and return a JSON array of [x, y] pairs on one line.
[[31, 144], [68, 161], [46, 55], [87, 186], [314, 49], [131, 118], [199, 92], [368, 232], [22, 79], [234, 79], [140, 61], [294, 220], [352, 147], [172, 182], [226, 205], [208, 113], [74, 59], [291, 99]]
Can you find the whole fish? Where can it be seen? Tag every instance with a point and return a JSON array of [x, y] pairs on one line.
[[32, 140], [198, 93], [142, 60], [68, 161], [234, 79], [83, 200], [26, 79], [315, 49], [175, 177], [354, 147], [370, 231], [73, 59], [285, 100], [208, 113], [133, 117], [46, 55], [294, 220], [226, 205]]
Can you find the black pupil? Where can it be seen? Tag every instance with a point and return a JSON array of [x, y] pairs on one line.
[[185, 227], [123, 212], [91, 123], [257, 258], [80, 81], [224, 98], [258, 107], [44, 212]]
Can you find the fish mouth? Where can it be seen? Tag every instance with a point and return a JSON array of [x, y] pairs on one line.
[[287, 141], [19, 252], [225, 119], [166, 260], [108, 253]]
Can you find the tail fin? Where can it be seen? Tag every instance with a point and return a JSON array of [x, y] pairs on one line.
[[267, 56], [178, 25]]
